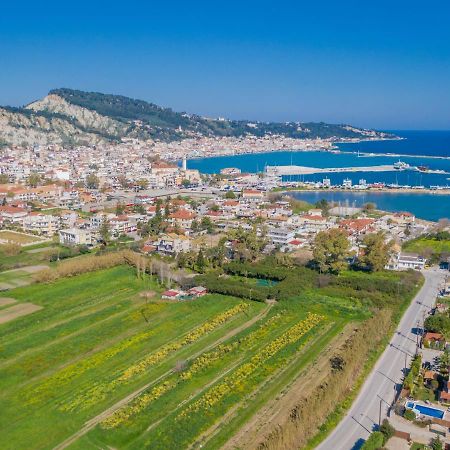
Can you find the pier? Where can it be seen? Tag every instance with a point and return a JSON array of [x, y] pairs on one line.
[[303, 170]]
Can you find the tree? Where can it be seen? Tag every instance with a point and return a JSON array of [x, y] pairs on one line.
[[120, 209], [206, 224], [104, 230], [387, 429], [122, 179], [324, 206], [185, 183], [331, 250], [34, 179], [230, 195], [436, 443], [92, 181], [142, 184], [194, 226], [369, 207], [201, 262], [438, 323], [139, 209], [4, 178], [376, 252]]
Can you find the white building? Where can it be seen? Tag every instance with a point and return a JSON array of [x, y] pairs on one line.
[[75, 236], [280, 236], [405, 261]]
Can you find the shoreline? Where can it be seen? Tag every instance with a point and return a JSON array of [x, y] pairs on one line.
[[320, 150], [365, 191]]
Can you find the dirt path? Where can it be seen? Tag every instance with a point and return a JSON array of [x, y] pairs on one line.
[[7, 301], [15, 311], [90, 424], [277, 411]]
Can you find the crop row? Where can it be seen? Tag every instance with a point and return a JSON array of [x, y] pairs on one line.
[[234, 381], [100, 390], [199, 364]]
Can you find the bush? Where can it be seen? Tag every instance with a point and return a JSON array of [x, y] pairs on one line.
[[375, 441], [387, 429], [409, 415], [88, 263]]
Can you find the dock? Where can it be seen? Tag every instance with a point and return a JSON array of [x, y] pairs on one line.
[[303, 170]]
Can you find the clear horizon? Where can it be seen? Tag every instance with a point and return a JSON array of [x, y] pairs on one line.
[[383, 66]]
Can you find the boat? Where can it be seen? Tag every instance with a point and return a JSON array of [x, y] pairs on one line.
[[400, 165], [423, 168]]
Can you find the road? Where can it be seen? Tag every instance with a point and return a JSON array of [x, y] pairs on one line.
[[379, 389]]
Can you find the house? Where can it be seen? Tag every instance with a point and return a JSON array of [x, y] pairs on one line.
[[181, 218], [280, 236], [405, 261], [75, 236], [252, 194], [295, 244], [433, 340], [12, 214], [172, 294], [444, 395], [198, 291], [45, 224], [172, 244]]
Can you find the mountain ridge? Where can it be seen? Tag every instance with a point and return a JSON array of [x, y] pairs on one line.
[[73, 117]]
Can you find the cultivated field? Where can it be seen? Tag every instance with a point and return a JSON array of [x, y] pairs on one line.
[[101, 367]]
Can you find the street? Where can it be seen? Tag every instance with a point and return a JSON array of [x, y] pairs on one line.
[[379, 389]]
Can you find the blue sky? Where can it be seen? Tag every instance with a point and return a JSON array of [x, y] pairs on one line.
[[376, 64]]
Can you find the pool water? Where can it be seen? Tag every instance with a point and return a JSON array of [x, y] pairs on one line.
[[426, 410]]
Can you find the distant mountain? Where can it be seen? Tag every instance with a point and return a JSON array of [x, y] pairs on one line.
[[72, 117]]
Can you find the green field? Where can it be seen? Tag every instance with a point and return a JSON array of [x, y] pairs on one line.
[[180, 366], [430, 245]]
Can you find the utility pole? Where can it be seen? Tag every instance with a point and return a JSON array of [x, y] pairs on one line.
[[417, 337], [379, 415]]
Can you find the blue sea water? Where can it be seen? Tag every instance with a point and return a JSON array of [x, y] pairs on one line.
[[431, 143], [425, 206], [428, 148]]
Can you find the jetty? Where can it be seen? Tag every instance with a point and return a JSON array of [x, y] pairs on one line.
[[303, 170]]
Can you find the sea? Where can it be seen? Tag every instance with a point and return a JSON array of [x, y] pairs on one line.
[[417, 148]]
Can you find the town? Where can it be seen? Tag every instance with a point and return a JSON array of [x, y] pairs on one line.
[[87, 196]]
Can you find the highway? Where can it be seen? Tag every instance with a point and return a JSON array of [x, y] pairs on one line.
[[379, 389]]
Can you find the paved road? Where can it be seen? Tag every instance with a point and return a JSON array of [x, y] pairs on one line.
[[385, 378]]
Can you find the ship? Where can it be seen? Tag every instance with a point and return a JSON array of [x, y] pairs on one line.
[[400, 165]]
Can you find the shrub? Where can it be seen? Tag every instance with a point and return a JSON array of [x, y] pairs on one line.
[[375, 441], [409, 414], [387, 429]]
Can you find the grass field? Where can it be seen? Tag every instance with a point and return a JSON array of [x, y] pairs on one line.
[[100, 367], [18, 238], [427, 244]]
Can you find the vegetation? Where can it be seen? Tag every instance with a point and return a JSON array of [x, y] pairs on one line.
[[434, 246], [375, 441], [438, 323], [331, 250], [100, 341], [101, 337], [376, 252]]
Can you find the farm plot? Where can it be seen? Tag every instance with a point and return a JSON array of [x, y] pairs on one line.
[[100, 366], [94, 342]]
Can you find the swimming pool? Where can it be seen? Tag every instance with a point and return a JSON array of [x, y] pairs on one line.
[[425, 410]]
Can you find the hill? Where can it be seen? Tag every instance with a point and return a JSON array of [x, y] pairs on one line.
[[73, 117]]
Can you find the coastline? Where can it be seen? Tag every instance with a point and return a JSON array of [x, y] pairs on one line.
[[365, 191], [324, 149]]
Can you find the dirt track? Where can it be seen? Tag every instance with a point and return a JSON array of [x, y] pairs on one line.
[[22, 309]]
